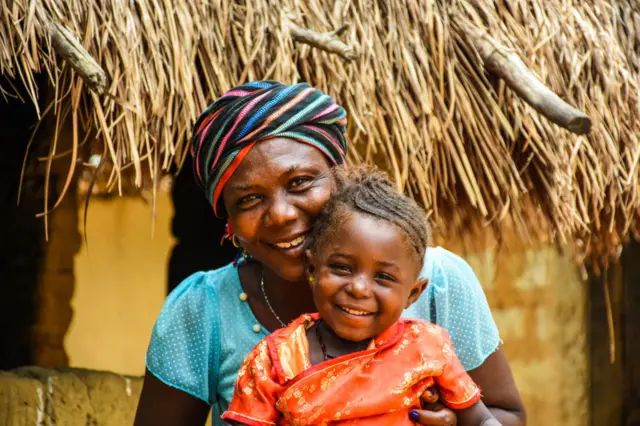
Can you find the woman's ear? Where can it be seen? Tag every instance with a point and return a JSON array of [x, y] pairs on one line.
[[417, 290]]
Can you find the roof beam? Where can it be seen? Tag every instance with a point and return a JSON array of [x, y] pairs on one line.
[[329, 41], [507, 65], [70, 49]]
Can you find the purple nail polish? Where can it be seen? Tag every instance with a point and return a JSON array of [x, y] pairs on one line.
[[414, 416]]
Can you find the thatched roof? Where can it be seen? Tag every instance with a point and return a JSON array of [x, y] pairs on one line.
[[421, 103]]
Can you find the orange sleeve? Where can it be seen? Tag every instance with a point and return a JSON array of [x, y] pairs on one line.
[[256, 391], [457, 389]]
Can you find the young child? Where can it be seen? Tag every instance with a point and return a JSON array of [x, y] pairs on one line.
[[357, 362]]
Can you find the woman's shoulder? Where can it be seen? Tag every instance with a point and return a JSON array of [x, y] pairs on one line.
[[213, 278], [191, 309], [185, 341], [446, 270], [451, 279], [204, 283], [455, 300]]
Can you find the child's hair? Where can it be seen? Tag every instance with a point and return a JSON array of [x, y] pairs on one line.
[[370, 191]]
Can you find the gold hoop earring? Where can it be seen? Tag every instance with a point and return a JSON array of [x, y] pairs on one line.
[[234, 241], [312, 280]]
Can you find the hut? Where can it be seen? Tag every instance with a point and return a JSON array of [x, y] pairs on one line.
[[515, 123]]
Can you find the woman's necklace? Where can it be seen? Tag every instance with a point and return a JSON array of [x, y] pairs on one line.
[[266, 299]]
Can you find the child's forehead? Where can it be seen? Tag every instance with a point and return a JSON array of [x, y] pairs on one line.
[[349, 227], [372, 243], [353, 221]]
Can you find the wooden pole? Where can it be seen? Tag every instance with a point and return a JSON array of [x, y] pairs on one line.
[[70, 49], [506, 64], [329, 42]]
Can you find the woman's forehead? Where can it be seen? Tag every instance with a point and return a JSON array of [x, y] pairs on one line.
[[274, 157]]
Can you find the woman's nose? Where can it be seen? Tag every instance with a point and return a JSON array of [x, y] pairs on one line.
[[360, 288], [280, 212]]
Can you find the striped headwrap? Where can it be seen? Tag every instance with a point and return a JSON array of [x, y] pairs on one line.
[[257, 111]]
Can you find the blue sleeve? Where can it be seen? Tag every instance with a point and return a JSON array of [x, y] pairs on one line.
[[185, 344], [458, 304]]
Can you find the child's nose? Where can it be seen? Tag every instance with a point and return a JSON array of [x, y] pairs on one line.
[[360, 288]]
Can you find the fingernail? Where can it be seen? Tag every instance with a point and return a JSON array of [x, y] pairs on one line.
[[414, 415]]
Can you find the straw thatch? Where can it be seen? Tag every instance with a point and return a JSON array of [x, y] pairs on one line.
[[412, 75]]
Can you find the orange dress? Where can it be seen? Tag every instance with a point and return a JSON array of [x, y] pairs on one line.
[[277, 385]]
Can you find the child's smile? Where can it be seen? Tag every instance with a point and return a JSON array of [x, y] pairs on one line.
[[365, 273], [353, 317], [355, 312]]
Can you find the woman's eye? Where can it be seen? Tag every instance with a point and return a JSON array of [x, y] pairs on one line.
[[248, 201], [299, 182]]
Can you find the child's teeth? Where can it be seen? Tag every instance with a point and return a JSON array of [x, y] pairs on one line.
[[352, 312]]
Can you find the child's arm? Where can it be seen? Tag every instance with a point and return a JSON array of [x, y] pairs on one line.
[[476, 415], [256, 389], [458, 391]]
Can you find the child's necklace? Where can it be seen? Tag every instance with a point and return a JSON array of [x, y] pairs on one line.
[[325, 354], [321, 342]]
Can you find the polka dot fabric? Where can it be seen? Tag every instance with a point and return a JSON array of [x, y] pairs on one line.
[[454, 300], [185, 343], [205, 329]]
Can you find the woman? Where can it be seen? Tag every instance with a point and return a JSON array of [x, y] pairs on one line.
[[263, 153]]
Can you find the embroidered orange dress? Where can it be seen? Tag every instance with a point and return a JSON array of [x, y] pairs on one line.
[[277, 385]]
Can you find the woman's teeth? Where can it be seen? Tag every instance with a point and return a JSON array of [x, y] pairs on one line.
[[354, 312], [293, 243]]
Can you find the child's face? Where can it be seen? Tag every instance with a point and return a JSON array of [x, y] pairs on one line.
[[366, 274]]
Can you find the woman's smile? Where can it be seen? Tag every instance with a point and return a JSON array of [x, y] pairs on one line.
[[290, 248], [290, 244]]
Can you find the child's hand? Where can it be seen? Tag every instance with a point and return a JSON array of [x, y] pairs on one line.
[[432, 412], [430, 396], [434, 415]]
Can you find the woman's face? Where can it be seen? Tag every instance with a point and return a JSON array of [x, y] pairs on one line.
[[272, 199]]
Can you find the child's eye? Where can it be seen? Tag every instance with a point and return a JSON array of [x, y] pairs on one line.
[[386, 277], [340, 269]]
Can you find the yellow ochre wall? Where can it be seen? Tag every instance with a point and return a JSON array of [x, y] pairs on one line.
[[120, 283], [539, 302]]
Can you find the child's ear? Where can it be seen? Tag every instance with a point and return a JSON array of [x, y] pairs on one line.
[[416, 291], [310, 268]]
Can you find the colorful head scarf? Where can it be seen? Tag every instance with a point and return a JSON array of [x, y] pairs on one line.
[[257, 111]]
